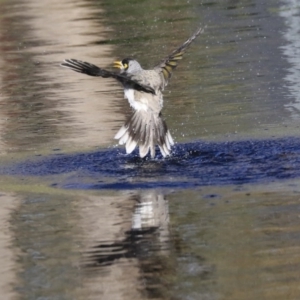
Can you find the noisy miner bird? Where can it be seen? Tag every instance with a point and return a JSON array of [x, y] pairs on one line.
[[143, 89]]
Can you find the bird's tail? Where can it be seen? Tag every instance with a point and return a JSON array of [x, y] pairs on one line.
[[145, 130]]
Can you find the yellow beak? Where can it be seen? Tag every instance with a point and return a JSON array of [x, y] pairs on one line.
[[118, 64]]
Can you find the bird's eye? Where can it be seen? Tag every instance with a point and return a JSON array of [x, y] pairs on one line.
[[125, 66]]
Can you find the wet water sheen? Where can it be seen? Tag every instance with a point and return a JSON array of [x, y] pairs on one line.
[[219, 219]]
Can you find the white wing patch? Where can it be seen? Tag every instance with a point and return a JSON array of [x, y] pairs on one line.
[[137, 105]]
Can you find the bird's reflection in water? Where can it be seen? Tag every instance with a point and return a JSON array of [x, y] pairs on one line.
[[144, 247]]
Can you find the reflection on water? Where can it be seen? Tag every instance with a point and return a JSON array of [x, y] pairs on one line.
[[149, 223], [84, 225], [136, 256], [234, 242], [8, 249], [245, 239], [225, 85], [36, 112], [290, 12]]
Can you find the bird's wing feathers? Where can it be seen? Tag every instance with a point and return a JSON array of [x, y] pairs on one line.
[[168, 64], [92, 70]]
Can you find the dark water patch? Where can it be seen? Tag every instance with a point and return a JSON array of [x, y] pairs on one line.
[[193, 164]]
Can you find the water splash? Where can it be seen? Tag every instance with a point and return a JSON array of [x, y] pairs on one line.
[[191, 165]]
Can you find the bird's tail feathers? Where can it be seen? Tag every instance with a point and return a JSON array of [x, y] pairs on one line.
[[145, 130]]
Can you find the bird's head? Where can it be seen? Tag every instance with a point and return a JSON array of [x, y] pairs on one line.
[[128, 65]]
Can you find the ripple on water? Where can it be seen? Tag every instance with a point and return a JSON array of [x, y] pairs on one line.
[[191, 165]]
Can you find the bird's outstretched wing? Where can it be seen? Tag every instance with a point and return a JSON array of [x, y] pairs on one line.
[[92, 70], [168, 64]]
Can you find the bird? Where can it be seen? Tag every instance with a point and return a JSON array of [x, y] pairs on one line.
[[143, 89]]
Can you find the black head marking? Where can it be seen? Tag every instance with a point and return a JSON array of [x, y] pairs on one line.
[[126, 61]]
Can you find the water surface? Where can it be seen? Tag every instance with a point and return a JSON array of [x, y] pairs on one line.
[[83, 220]]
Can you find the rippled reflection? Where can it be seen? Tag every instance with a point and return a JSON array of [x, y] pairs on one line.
[[149, 229], [234, 241], [290, 12], [138, 255], [42, 105], [230, 82], [8, 252], [82, 225]]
